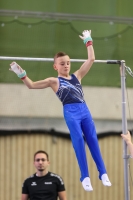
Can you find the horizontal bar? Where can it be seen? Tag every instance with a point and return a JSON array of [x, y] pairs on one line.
[[25, 58], [51, 59], [114, 61]]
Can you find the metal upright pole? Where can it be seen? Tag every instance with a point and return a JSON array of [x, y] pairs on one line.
[[124, 131]]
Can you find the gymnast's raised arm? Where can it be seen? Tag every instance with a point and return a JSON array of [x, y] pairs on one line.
[[83, 70]]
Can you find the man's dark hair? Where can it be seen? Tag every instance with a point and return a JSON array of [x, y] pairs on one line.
[[41, 151], [59, 54]]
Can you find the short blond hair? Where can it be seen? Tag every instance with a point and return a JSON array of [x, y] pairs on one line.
[[59, 54]]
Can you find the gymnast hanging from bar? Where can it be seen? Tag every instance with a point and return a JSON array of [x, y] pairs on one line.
[[78, 118]]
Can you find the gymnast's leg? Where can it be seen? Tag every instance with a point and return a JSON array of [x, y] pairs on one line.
[[73, 122], [89, 131]]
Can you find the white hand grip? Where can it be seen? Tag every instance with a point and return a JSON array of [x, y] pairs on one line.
[[15, 68]]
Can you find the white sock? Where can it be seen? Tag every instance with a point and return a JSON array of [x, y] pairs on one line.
[[87, 184], [105, 180]]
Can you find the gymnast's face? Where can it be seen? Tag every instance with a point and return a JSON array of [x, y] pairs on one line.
[[62, 65], [41, 162]]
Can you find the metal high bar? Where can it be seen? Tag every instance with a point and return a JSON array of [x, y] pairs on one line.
[[51, 60]]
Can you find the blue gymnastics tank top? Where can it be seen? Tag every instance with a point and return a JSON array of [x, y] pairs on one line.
[[70, 91]]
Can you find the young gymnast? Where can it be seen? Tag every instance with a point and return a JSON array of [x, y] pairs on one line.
[[76, 113]]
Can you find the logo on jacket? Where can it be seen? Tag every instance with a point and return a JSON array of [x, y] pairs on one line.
[[47, 183], [33, 183]]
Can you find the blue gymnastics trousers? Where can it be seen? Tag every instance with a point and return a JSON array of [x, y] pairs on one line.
[[79, 121]]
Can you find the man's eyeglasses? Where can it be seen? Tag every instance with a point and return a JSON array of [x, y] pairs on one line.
[[42, 159]]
